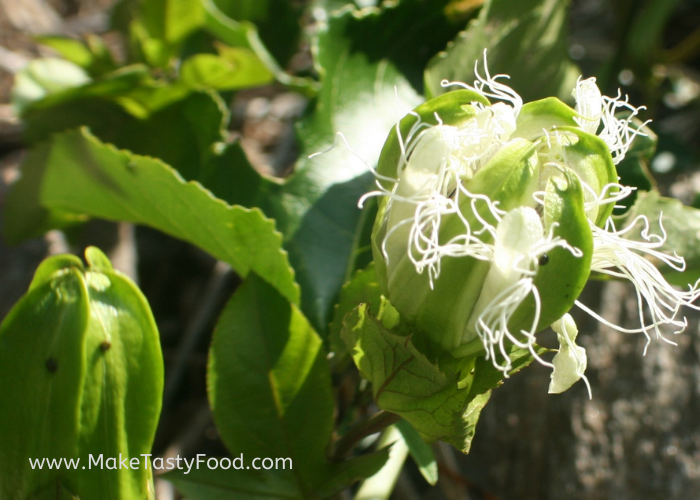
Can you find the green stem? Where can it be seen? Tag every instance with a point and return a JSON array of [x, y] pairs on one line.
[[372, 425]]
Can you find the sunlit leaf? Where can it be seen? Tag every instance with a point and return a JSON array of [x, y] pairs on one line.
[[84, 176]]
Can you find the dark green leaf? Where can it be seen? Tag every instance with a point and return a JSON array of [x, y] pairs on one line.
[[245, 484], [646, 30], [526, 40], [634, 167], [25, 215], [277, 21], [229, 176], [350, 471], [105, 118], [269, 383], [181, 134], [96, 105]]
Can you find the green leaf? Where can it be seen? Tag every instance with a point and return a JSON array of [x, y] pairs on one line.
[[441, 403], [366, 60], [245, 34], [84, 176], [277, 22], [171, 20], [420, 451], [362, 288], [70, 49], [92, 55], [405, 382], [42, 367], [681, 225], [634, 167], [526, 40], [115, 84], [230, 177], [173, 123], [44, 77], [234, 68], [350, 471], [245, 484], [80, 357], [123, 387], [269, 383]]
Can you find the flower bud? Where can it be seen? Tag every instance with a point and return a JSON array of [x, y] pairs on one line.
[[482, 236], [493, 216]]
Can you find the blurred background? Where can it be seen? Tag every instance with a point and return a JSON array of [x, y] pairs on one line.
[[638, 438]]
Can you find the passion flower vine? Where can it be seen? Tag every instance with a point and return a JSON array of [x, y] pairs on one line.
[[494, 213]]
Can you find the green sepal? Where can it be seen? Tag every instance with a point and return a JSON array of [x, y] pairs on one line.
[[452, 108]]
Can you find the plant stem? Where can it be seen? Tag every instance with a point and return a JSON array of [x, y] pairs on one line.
[[372, 425]]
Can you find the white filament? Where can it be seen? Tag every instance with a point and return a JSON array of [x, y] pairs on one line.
[[614, 254]]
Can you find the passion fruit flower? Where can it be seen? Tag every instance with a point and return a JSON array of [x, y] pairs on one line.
[[494, 214]]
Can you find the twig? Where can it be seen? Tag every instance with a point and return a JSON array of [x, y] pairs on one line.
[[372, 425], [195, 329]]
